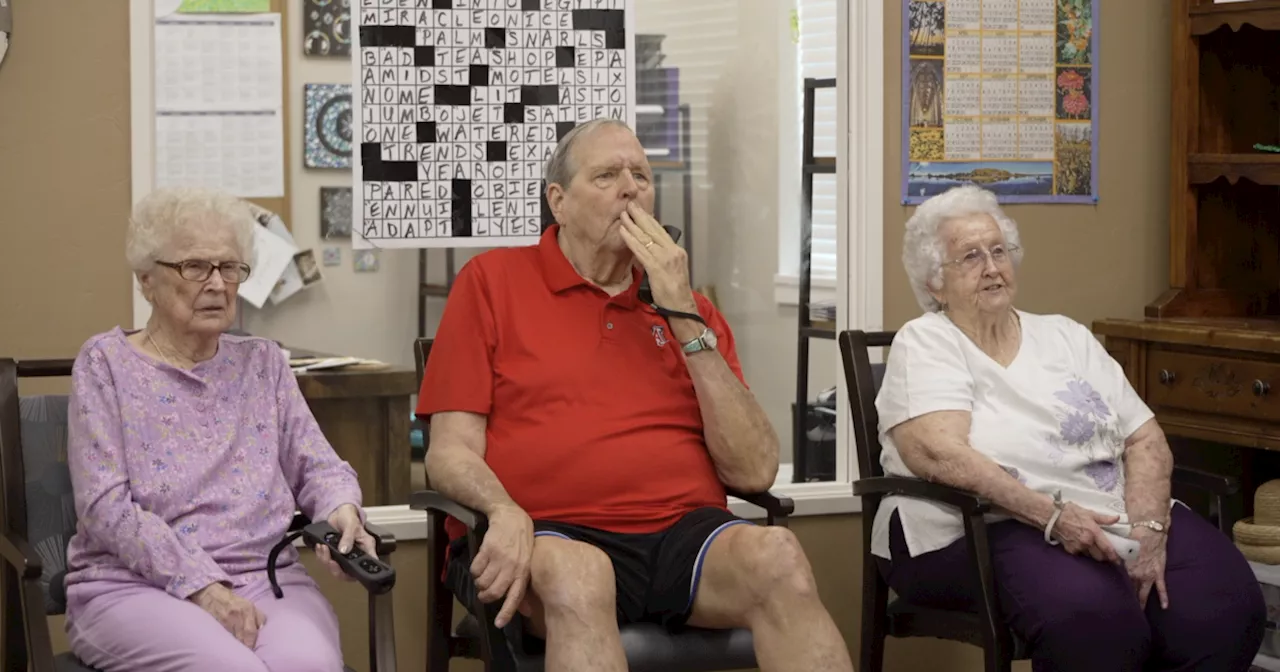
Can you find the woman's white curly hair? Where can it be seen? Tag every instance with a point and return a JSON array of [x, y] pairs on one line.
[[166, 213], [922, 248]]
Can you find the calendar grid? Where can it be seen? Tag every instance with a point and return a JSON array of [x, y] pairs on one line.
[[1000, 93]]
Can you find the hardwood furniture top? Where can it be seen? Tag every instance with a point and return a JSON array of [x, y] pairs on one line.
[[323, 384], [337, 384], [1245, 334], [1207, 16]]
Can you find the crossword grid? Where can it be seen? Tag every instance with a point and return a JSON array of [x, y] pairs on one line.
[[461, 102]]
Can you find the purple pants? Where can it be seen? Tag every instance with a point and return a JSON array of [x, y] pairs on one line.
[[1080, 614], [144, 628]]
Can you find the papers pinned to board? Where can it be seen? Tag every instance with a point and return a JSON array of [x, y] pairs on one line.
[[279, 267]]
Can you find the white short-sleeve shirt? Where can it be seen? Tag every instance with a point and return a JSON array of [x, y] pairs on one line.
[[1056, 418]]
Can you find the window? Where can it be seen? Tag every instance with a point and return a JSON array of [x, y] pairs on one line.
[[817, 59], [812, 53]]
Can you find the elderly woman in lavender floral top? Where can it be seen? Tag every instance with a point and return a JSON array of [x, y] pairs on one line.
[[1032, 413], [189, 451]]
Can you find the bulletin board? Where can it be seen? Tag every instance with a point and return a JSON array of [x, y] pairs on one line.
[[278, 204]]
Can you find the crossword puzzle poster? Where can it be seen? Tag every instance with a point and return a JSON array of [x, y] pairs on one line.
[[459, 104]]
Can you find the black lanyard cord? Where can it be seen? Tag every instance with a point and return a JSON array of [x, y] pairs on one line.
[[668, 313]]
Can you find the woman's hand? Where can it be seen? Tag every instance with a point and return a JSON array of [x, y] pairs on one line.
[[238, 615], [346, 520], [1148, 570], [1080, 532]]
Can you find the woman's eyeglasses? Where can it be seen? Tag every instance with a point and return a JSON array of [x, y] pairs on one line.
[[977, 258], [199, 270]]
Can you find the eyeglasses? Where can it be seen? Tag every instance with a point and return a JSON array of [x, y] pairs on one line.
[[199, 270], [977, 258]]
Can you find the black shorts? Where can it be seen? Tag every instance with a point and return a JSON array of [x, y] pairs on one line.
[[657, 574]]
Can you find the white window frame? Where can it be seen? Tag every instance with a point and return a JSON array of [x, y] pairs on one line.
[[860, 193], [786, 282]]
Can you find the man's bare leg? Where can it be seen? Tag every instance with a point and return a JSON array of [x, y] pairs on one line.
[[572, 604], [758, 578]]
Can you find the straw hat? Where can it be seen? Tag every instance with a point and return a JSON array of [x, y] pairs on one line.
[[1258, 537]]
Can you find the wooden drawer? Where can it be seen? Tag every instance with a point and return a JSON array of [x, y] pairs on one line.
[[1215, 385]]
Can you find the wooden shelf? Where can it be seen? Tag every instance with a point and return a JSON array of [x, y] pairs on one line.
[[1259, 168], [1208, 17]]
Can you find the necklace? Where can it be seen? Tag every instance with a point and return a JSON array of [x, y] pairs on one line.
[[160, 350]]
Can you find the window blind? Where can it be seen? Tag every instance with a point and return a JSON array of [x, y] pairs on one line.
[[700, 40], [817, 58]]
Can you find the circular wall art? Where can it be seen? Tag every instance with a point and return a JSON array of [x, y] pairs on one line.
[[326, 27], [328, 126]]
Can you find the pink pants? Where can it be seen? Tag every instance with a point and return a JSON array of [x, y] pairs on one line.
[[144, 628]]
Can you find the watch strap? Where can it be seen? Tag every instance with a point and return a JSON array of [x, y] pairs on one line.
[[696, 345]]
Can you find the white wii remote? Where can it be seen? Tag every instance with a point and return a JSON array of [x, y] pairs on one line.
[[1125, 547]]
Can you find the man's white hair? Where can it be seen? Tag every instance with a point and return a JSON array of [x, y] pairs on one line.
[[166, 213], [560, 167], [922, 247]]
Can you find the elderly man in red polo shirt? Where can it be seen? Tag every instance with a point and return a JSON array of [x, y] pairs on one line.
[[598, 436]]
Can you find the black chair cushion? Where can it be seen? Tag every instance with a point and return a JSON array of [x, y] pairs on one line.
[[69, 663], [651, 648], [908, 620]]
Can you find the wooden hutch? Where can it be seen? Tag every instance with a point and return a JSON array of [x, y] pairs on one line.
[[1207, 356]]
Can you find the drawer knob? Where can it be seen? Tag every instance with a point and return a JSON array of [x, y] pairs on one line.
[[1261, 388], [1167, 377]]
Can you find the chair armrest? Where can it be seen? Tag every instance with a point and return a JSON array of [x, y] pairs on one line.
[[1214, 484], [300, 520], [384, 541], [967, 502], [19, 554], [775, 507], [431, 500]]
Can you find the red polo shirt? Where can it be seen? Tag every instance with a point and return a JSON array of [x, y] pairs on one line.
[[592, 415]]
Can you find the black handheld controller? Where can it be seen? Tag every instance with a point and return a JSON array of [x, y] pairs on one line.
[[375, 575]]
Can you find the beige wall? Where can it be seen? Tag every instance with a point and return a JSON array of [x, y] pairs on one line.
[[1083, 261], [64, 176], [64, 195]]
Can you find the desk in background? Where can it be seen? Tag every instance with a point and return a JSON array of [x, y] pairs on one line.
[[365, 416]]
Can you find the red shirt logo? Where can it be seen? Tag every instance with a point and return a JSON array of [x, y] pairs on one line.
[[659, 336]]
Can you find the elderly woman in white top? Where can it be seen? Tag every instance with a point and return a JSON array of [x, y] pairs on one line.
[[1030, 412]]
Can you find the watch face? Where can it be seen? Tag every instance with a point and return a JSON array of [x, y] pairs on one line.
[[709, 337]]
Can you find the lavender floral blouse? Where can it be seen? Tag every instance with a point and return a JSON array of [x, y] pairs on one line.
[[185, 478]]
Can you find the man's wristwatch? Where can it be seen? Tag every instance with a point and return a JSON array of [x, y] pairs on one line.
[[1153, 525], [705, 341]]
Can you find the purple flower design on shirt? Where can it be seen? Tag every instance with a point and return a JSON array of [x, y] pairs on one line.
[[1077, 429], [1105, 474], [1014, 473], [1081, 396]]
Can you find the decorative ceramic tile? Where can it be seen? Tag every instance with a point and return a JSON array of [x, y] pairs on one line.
[[332, 256], [365, 261], [307, 267], [327, 131], [335, 212], [326, 26]]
